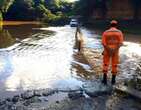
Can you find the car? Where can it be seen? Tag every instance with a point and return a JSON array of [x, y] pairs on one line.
[[73, 23]]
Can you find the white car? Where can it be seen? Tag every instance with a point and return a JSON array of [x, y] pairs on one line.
[[73, 23]]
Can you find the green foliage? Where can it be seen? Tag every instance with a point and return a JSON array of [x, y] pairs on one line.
[[42, 10], [5, 4], [60, 11], [59, 19], [52, 4], [1, 18], [21, 10]]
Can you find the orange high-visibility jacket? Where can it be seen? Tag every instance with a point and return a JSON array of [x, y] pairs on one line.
[[112, 38]]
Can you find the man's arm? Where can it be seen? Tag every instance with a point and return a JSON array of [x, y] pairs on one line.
[[104, 39], [120, 40], [104, 42]]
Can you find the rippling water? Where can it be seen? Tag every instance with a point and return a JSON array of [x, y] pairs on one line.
[[130, 52], [43, 59], [40, 58]]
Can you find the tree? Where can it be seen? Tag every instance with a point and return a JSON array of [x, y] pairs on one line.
[[4, 6], [52, 5], [21, 10], [38, 2], [66, 7], [48, 10], [42, 12]]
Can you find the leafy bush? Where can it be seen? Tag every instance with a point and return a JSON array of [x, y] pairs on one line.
[[48, 11], [58, 19]]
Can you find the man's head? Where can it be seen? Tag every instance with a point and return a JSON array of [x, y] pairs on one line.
[[113, 23]]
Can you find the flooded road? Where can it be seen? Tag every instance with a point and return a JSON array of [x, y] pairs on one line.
[[36, 57], [41, 58], [130, 52]]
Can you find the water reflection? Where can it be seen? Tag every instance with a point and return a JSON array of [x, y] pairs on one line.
[[22, 31], [1, 25], [6, 39], [11, 31], [42, 60]]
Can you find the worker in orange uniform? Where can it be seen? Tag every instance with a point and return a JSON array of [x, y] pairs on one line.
[[112, 40]]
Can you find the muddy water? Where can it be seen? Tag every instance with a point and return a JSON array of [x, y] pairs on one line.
[[40, 58]]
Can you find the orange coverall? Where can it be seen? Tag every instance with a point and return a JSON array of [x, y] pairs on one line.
[[112, 39]]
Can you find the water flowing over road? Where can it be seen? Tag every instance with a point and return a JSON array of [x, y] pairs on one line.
[[44, 60], [130, 53]]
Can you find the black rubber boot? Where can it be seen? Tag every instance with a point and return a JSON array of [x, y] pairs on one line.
[[104, 81], [113, 81]]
